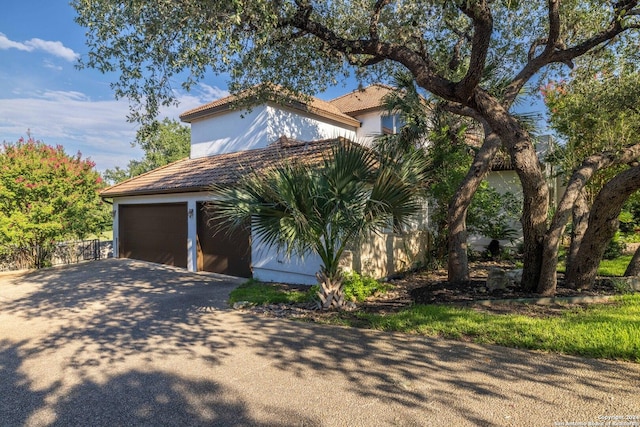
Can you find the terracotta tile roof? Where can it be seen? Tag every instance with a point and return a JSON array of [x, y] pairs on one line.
[[361, 100], [312, 105], [195, 175]]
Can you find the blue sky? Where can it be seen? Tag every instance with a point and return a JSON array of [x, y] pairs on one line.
[[42, 92]]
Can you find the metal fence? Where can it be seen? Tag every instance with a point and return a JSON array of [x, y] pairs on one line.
[[18, 258]]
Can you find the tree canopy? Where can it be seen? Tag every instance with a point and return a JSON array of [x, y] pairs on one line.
[[450, 47], [476, 55], [47, 196]]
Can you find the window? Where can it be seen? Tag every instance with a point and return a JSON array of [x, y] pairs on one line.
[[391, 124]]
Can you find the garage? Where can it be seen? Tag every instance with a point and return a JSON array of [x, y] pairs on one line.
[[220, 251], [154, 232]]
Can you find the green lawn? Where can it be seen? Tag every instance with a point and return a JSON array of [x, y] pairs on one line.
[[614, 267], [608, 267], [262, 293], [609, 331]]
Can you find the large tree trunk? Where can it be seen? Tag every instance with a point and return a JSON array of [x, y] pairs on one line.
[[633, 269], [458, 264], [603, 223], [580, 212], [580, 218], [571, 196], [534, 185]]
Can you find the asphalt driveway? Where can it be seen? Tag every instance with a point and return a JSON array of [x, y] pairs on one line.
[[118, 342]]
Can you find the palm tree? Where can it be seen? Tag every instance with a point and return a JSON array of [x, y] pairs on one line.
[[303, 208]]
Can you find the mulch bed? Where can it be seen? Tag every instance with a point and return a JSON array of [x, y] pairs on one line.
[[432, 287]]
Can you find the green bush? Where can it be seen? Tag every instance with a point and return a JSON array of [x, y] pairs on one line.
[[358, 288], [615, 248], [493, 215]]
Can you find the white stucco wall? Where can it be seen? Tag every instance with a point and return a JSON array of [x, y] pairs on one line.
[[240, 130], [271, 265], [296, 125], [370, 126], [229, 132]]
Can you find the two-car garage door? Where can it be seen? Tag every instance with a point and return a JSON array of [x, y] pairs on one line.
[[158, 233]]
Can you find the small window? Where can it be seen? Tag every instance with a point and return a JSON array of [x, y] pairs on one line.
[[391, 124]]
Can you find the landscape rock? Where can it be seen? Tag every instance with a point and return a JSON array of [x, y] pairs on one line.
[[500, 279], [240, 305], [632, 283]]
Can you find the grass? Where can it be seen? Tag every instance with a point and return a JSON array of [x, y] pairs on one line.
[[610, 331], [261, 293], [355, 288], [614, 267], [105, 235], [607, 267]]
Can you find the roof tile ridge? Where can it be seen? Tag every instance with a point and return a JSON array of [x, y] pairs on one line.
[[146, 173], [364, 89]]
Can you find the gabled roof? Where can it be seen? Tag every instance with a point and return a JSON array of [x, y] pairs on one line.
[[312, 105], [363, 100], [196, 175]]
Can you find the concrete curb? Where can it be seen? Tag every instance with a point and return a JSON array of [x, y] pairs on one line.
[[545, 300]]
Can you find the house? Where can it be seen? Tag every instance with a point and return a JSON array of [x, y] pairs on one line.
[[159, 216], [504, 178]]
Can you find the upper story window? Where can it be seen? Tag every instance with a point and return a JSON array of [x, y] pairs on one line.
[[391, 124]]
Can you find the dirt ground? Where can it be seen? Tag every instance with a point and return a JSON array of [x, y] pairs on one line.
[[432, 287]]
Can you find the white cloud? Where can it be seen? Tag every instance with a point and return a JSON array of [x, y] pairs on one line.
[[54, 48], [98, 129], [211, 93], [51, 65], [5, 44]]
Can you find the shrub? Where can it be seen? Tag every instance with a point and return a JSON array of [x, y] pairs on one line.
[[615, 248], [358, 288]]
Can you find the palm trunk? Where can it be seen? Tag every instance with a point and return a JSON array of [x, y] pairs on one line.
[[330, 294]]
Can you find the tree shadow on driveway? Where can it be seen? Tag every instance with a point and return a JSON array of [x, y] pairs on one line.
[[145, 340]]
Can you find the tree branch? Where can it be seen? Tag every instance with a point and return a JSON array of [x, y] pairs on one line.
[[555, 53], [554, 27], [375, 18], [419, 65], [579, 179], [480, 14], [463, 110]]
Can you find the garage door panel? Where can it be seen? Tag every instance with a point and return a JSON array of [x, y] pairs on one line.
[[220, 251], [155, 233]]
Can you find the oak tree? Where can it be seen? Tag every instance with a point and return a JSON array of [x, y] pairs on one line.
[[597, 114], [455, 50]]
